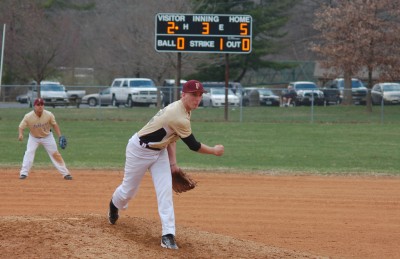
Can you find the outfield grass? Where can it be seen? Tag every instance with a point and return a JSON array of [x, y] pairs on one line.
[[336, 140]]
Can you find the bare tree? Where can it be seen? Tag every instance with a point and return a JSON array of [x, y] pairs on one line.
[[357, 35], [116, 37], [121, 35], [37, 43]]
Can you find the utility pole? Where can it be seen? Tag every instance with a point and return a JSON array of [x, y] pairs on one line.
[[2, 55]]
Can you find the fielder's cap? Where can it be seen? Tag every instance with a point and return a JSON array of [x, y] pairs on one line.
[[193, 86], [39, 101]]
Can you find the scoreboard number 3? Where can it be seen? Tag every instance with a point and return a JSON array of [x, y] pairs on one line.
[[206, 28]]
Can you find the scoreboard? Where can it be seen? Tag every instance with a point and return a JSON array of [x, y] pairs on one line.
[[222, 33]]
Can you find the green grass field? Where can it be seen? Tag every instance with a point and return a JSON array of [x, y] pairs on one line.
[[335, 140]]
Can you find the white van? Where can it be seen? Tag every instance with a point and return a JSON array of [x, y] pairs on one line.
[[133, 92], [53, 94]]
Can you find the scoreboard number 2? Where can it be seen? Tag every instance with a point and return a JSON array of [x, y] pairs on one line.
[[171, 27]]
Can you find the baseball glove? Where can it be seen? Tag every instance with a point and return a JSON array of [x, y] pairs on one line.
[[62, 141], [182, 182]]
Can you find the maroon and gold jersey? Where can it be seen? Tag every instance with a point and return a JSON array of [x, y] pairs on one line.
[[167, 126], [39, 126]]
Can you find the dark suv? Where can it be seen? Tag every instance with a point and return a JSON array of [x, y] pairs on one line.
[[358, 90], [331, 95], [167, 90], [307, 93]]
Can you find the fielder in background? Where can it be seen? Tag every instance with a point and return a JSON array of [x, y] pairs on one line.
[[153, 148], [40, 121]]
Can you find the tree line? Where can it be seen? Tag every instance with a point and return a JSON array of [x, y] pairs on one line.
[[116, 38]]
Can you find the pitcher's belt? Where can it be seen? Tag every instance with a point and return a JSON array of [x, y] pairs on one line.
[[143, 144]]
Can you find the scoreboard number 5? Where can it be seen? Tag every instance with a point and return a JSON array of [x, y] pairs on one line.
[[243, 29]]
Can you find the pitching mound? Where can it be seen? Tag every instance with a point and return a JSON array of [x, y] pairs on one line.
[[90, 236]]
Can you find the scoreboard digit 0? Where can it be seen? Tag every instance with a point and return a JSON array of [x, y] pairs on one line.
[[227, 33]]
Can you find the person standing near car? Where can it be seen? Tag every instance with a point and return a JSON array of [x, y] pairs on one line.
[[40, 121], [288, 96], [153, 148]]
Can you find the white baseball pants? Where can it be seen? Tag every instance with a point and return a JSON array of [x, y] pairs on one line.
[[50, 146], [138, 160]]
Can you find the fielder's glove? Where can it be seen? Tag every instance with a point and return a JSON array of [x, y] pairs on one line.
[[181, 182], [62, 141]]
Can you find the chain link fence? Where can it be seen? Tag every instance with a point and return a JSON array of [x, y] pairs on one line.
[[253, 105]]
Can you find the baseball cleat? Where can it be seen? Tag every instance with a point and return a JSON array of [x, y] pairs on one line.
[[22, 176], [168, 241], [112, 213], [68, 177]]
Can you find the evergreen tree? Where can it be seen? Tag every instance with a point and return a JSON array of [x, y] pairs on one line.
[[269, 16]]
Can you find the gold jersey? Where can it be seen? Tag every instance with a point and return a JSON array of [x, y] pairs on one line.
[[39, 126], [167, 126]]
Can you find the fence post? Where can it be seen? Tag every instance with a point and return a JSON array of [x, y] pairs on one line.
[[312, 106], [2, 54], [382, 107]]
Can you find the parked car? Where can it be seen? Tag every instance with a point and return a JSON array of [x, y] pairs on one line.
[[389, 91], [358, 90], [167, 90], [236, 87], [103, 98], [133, 91], [266, 95], [53, 94], [331, 95], [307, 93], [75, 96], [215, 97], [22, 98]]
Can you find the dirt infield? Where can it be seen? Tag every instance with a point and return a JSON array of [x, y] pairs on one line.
[[226, 216]]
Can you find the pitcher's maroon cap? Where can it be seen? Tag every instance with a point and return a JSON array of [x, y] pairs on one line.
[[193, 86], [38, 101]]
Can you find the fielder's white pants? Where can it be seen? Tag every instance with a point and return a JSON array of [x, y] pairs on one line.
[[138, 160], [50, 146]]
